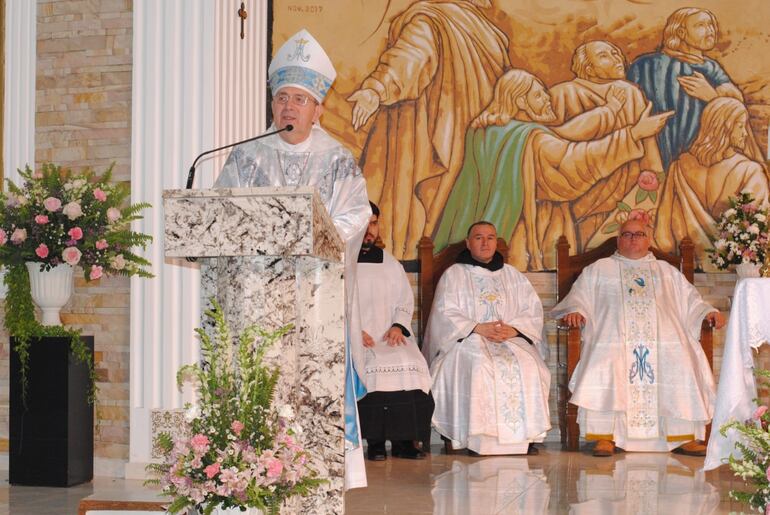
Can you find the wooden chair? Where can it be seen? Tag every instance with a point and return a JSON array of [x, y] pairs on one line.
[[568, 269], [431, 268]]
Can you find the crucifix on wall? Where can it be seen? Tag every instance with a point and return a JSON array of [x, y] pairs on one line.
[[242, 14]]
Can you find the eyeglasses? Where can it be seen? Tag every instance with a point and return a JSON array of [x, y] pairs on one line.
[[633, 235], [297, 100]]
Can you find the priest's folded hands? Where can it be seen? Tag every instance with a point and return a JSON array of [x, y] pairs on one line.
[[496, 331]]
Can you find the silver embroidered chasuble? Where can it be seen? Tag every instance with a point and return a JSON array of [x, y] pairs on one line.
[[494, 394], [640, 354]]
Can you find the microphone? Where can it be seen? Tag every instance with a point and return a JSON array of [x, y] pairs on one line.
[[191, 173]]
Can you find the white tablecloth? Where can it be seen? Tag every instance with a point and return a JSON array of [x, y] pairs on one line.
[[748, 328]]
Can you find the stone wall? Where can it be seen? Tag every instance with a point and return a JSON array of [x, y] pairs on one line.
[[83, 119]]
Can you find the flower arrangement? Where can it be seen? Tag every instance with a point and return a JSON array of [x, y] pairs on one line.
[[754, 446], [80, 219], [59, 217], [242, 453], [742, 233]]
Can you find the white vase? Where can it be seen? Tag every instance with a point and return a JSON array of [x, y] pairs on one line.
[[745, 270], [50, 289]]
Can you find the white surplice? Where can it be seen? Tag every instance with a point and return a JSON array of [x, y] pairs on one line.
[[490, 397], [642, 376], [386, 298], [322, 162]]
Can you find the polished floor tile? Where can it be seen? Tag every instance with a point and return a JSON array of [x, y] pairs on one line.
[[554, 482]]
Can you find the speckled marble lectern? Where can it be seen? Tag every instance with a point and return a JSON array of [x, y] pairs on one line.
[[271, 256]]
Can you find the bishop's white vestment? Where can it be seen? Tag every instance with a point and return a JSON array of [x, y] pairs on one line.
[[490, 397], [319, 161], [643, 379]]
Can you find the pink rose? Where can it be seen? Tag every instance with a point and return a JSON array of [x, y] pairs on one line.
[[648, 181], [113, 214], [42, 251], [199, 442], [96, 272], [52, 204], [761, 410], [212, 470], [100, 195], [748, 208], [274, 467], [71, 256], [18, 236], [639, 214], [75, 233], [237, 427], [37, 174], [102, 244], [41, 219], [3, 237]]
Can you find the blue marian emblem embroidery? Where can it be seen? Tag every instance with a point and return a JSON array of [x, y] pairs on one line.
[[299, 51], [640, 366], [637, 286]]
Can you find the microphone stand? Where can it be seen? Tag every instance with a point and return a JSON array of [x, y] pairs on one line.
[[191, 173]]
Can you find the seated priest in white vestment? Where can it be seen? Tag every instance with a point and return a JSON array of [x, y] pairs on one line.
[[490, 384], [306, 155], [643, 382], [398, 405]]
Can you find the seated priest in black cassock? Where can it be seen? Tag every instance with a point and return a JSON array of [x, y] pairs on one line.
[[398, 406]]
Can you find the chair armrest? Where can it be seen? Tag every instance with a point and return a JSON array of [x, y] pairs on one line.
[[707, 341]]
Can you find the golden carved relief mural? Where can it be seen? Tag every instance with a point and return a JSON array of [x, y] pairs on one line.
[[546, 117]]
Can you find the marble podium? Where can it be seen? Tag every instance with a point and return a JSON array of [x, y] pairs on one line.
[[271, 256]]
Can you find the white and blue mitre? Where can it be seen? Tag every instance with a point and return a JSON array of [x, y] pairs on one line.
[[302, 63]]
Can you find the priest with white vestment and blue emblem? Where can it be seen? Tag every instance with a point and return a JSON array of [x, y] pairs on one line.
[[643, 382]]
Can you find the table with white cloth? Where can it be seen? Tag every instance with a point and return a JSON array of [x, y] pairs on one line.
[[748, 328]]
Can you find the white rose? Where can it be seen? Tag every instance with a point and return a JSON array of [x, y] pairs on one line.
[[118, 262], [730, 212], [760, 217], [744, 236], [286, 412], [192, 413], [113, 214], [72, 210], [753, 229], [720, 244]]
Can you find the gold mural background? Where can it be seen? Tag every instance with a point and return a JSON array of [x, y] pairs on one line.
[[542, 36]]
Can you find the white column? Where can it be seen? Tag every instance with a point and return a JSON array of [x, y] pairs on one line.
[[196, 86], [172, 108], [240, 86], [19, 102]]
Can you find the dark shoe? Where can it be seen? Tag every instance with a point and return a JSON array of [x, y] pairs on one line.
[[448, 448], [376, 451], [691, 448], [532, 450], [406, 451]]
